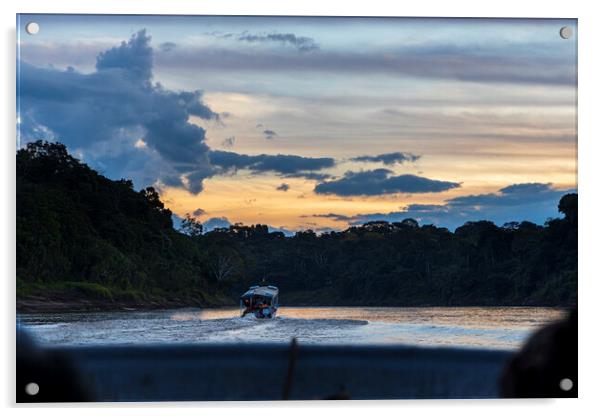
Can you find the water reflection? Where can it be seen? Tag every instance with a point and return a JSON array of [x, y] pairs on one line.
[[496, 327]]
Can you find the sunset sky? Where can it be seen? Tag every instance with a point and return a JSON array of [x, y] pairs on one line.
[[314, 123]]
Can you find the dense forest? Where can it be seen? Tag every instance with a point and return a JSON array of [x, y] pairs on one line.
[[83, 237]]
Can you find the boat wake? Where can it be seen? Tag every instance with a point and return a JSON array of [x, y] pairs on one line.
[[308, 325], [278, 329]]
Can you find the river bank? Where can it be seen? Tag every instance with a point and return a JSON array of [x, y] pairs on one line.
[[88, 297], [66, 303], [45, 305]]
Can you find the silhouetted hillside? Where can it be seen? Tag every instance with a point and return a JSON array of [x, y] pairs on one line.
[[81, 236]]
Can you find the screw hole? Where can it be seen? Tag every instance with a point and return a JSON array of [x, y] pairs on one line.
[[32, 389], [32, 28], [566, 384], [566, 32]]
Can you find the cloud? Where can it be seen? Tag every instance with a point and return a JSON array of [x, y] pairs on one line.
[[325, 230], [535, 202], [513, 195], [388, 158], [223, 222], [269, 134], [103, 115], [198, 212], [528, 63], [380, 182], [167, 46], [312, 176], [301, 43], [177, 221], [283, 187], [216, 222], [229, 141], [134, 59], [281, 164], [332, 216], [285, 231]]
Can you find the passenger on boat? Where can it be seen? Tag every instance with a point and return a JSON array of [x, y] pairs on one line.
[[247, 307], [265, 309]]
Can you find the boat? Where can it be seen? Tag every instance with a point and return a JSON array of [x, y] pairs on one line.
[[261, 301]]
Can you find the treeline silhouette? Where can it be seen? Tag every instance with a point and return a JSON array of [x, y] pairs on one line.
[[80, 234]]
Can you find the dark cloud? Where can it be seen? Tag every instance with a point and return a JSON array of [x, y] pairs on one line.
[[281, 164], [332, 216], [388, 158], [216, 222], [199, 212], [269, 134], [229, 141], [167, 46], [325, 230], [313, 176], [102, 115], [513, 195], [535, 202], [285, 231], [134, 58], [380, 182], [283, 187], [301, 43]]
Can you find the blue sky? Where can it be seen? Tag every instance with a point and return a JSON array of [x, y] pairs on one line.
[[312, 122]]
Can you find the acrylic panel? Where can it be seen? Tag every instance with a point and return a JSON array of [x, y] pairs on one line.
[[286, 207]]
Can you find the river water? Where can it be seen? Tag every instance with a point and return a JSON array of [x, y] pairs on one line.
[[480, 327]]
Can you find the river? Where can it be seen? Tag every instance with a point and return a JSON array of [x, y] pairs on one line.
[[479, 327]]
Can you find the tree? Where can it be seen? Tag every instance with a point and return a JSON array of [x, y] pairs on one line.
[[223, 266], [155, 203], [568, 206], [78, 229], [192, 227], [409, 222]]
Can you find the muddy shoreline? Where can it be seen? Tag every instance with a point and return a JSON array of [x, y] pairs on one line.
[[38, 304], [56, 305]]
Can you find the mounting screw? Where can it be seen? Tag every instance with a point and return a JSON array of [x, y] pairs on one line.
[[566, 32]]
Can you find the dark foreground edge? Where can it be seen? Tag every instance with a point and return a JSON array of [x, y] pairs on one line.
[[256, 372]]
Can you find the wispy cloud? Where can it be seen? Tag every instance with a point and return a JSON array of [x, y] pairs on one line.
[[388, 158], [312, 176], [229, 141], [445, 61], [269, 134], [301, 43]]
